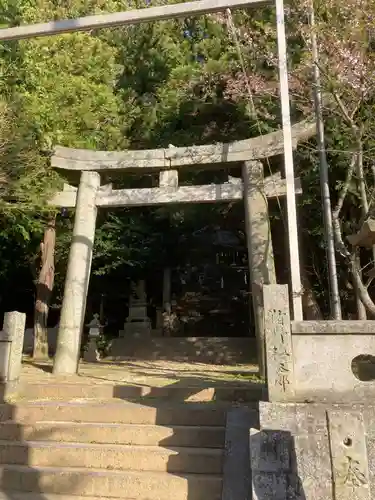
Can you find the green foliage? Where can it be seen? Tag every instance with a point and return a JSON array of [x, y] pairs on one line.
[[173, 82]]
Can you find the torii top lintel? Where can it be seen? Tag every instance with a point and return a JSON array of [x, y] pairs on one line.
[[131, 17], [158, 159]]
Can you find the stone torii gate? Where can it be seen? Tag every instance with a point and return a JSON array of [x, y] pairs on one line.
[[253, 188], [90, 195]]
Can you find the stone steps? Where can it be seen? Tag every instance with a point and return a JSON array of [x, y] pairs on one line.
[[135, 485], [112, 448], [191, 414], [106, 433], [112, 457]]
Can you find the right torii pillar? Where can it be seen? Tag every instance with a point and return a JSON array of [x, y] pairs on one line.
[[259, 247]]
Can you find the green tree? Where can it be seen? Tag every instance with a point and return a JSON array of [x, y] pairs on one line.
[[62, 91]]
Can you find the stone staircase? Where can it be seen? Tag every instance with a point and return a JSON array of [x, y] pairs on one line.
[[88, 448]]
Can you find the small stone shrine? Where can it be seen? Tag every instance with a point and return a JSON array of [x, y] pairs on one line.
[[137, 323]]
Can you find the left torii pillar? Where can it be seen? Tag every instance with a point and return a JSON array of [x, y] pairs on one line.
[[77, 276]]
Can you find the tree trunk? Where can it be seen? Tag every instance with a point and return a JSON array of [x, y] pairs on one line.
[[44, 289], [361, 309], [310, 305]]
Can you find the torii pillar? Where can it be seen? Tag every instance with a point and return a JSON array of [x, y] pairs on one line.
[[259, 246], [77, 277]]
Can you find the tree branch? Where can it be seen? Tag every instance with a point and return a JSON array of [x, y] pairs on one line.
[[340, 245], [360, 287]]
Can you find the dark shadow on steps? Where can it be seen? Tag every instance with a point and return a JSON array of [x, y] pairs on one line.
[[187, 389], [19, 476], [45, 367], [218, 470], [194, 467], [217, 461], [237, 477], [258, 464]]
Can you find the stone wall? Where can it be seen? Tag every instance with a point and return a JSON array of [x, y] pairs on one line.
[[215, 350], [300, 452], [330, 367], [311, 452], [315, 438], [316, 361]]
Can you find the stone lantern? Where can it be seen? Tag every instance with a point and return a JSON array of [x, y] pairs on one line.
[[91, 354]]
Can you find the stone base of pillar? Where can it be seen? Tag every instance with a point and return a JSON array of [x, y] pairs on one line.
[[141, 329], [91, 354]]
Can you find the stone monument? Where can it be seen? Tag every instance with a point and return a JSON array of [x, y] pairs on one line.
[[137, 324]]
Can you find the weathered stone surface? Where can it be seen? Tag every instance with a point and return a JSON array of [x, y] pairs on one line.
[[270, 463], [131, 17], [312, 466], [295, 418], [4, 358], [168, 179], [137, 324], [269, 486], [280, 356], [78, 275], [67, 198], [140, 330], [310, 475], [281, 416], [270, 450], [370, 445], [333, 327], [311, 419], [323, 367], [91, 354], [249, 149], [14, 329], [273, 186], [368, 412], [259, 246], [349, 456]]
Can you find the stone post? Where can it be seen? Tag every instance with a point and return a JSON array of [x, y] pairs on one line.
[[350, 468], [167, 277], [280, 365], [77, 277], [167, 309], [259, 246], [14, 330], [270, 462]]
